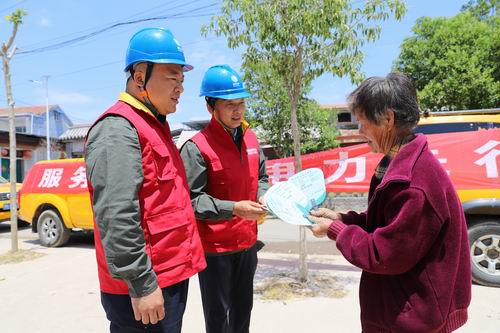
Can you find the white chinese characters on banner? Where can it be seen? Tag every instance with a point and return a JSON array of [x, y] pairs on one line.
[[490, 158], [343, 162], [79, 178], [281, 171], [51, 178]]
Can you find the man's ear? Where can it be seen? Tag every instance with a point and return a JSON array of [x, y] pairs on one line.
[[139, 78], [210, 109]]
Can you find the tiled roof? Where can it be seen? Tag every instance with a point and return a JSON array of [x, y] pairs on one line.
[[76, 132], [37, 109], [338, 106], [196, 125]]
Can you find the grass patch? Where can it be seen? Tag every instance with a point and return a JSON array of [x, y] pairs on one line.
[[286, 286], [19, 256]]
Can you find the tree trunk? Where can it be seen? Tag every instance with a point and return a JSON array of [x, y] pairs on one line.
[[303, 274], [13, 157]]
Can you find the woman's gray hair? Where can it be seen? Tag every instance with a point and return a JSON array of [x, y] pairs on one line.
[[396, 92]]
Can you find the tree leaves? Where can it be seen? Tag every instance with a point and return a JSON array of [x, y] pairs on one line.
[[288, 44], [454, 62]]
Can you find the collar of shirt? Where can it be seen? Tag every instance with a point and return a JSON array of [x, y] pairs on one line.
[[244, 126], [134, 102], [386, 160], [238, 132]]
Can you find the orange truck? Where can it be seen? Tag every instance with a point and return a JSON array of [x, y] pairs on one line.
[[54, 198]]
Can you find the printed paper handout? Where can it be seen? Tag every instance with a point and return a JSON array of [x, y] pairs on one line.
[[292, 200]]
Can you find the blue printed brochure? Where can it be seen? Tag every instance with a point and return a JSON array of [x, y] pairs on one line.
[[292, 200]]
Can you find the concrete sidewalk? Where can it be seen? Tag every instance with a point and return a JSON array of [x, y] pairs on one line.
[[59, 293]]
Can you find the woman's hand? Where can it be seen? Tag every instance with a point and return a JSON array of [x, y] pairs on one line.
[[320, 226], [326, 213]]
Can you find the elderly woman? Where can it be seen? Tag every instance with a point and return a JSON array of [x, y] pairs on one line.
[[411, 243]]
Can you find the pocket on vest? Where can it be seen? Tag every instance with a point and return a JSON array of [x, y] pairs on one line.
[[170, 239], [164, 167]]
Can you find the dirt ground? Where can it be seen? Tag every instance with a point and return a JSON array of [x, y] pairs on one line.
[[51, 290]]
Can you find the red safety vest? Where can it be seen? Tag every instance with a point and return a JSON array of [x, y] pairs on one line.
[[231, 175], [167, 218]]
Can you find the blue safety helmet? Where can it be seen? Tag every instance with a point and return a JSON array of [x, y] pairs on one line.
[[221, 81], [156, 45]]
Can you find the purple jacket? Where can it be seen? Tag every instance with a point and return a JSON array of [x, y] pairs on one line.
[[412, 246]]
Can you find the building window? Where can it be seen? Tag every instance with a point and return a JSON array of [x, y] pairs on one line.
[[5, 169], [344, 117], [5, 153], [21, 129]]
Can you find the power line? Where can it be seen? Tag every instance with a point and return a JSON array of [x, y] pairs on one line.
[[88, 41], [10, 7], [86, 69], [121, 60], [67, 36], [113, 26]]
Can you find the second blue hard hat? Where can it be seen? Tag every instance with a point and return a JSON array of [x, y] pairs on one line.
[[221, 81], [156, 45]]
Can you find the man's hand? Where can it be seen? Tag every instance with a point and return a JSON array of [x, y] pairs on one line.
[[149, 309], [248, 210], [326, 213], [320, 226]]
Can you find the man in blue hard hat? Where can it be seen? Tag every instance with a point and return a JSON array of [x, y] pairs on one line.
[[146, 238], [227, 177]]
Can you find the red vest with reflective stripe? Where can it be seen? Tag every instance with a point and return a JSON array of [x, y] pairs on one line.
[[167, 217], [231, 175]]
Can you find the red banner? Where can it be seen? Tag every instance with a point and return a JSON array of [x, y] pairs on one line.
[[57, 177], [470, 158]]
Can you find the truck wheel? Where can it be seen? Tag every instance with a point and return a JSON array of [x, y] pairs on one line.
[[51, 230], [484, 240]]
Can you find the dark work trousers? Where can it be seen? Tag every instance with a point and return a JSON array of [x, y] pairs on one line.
[[119, 311], [227, 291]]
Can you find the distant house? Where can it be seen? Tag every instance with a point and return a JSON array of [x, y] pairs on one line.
[[27, 151], [347, 124], [74, 139], [31, 132], [32, 120]]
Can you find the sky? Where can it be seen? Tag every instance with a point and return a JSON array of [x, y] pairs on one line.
[[87, 77]]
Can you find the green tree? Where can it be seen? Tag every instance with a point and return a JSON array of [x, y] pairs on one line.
[[270, 113], [7, 51], [301, 40], [455, 61], [482, 9]]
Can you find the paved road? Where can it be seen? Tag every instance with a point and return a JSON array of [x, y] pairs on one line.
[[58, 293], [278, 237]]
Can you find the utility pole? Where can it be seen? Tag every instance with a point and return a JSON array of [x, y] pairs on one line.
[[45, 83]]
